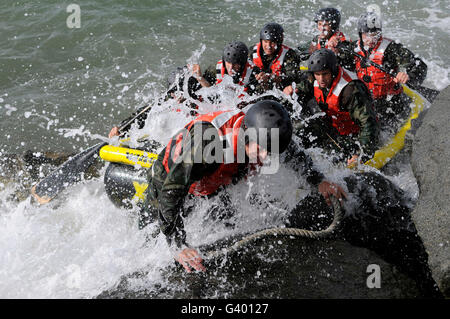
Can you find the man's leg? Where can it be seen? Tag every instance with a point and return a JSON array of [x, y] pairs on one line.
[[382, 222], [311, 213]]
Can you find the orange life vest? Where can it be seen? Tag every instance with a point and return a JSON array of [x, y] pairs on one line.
[[381, 84], [276, 64], [228, 124], [341, 120]]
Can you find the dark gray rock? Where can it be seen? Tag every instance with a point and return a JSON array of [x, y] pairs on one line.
[[431, 166], [377, 231], [278, 267]]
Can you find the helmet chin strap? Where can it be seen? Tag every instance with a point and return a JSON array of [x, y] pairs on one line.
[[361, 45]]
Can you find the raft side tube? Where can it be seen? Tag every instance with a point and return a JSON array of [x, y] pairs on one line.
[[125, 185], [128, 156]]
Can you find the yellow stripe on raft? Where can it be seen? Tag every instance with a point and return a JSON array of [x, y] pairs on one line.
[[387, 152], [127, 156]]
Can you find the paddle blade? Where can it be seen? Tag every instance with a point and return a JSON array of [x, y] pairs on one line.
[[427, 93], [65, 175]]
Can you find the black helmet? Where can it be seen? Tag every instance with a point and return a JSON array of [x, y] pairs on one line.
[[235, 52], [269, 114], [332, 15], [323, 59], [369, 22], [273, 32]]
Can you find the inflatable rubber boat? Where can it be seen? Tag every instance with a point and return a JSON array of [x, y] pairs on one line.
[[126, 175]]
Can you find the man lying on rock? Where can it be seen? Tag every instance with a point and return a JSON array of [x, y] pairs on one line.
[[377, 217], [188, 165]]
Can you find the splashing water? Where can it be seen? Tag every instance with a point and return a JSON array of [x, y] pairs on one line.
[[63, 88]]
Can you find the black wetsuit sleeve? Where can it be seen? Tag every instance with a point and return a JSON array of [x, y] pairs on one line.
[[398, 57], [302, 163], [254, 86], [291, 69]]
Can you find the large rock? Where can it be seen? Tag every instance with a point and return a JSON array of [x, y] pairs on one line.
[[431, 166], [284, 267], [280, 267]]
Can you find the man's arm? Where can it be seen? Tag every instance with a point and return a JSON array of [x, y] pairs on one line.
[[345, 57], [304, 51], [254, 86], [140, 121], [304, 85], [397, 55], [303, 164], [357, 101], [208, 78], [291, 69]]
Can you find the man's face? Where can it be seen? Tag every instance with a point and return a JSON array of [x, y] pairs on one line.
[[324, 78], [370, 39], [232, 68], [325, 31], [255, 152], [269, 47]]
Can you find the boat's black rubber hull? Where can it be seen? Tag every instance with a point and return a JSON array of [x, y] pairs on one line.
[[125, 185]]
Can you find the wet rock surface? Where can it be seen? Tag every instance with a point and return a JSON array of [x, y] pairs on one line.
[[279, 267], [431, 166], [377, 230]]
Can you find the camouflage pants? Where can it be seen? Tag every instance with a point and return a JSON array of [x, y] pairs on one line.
[[320, 133], [392, 111]]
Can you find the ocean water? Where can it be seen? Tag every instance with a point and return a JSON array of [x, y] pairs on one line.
[[62, 88]]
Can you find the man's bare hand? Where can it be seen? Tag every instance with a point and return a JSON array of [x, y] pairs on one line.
[[289, 90], [353, 161], [196, 71], [401, 77], [327, 189], [332, 44], [190, 258], [114, 132], [262, 77]]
